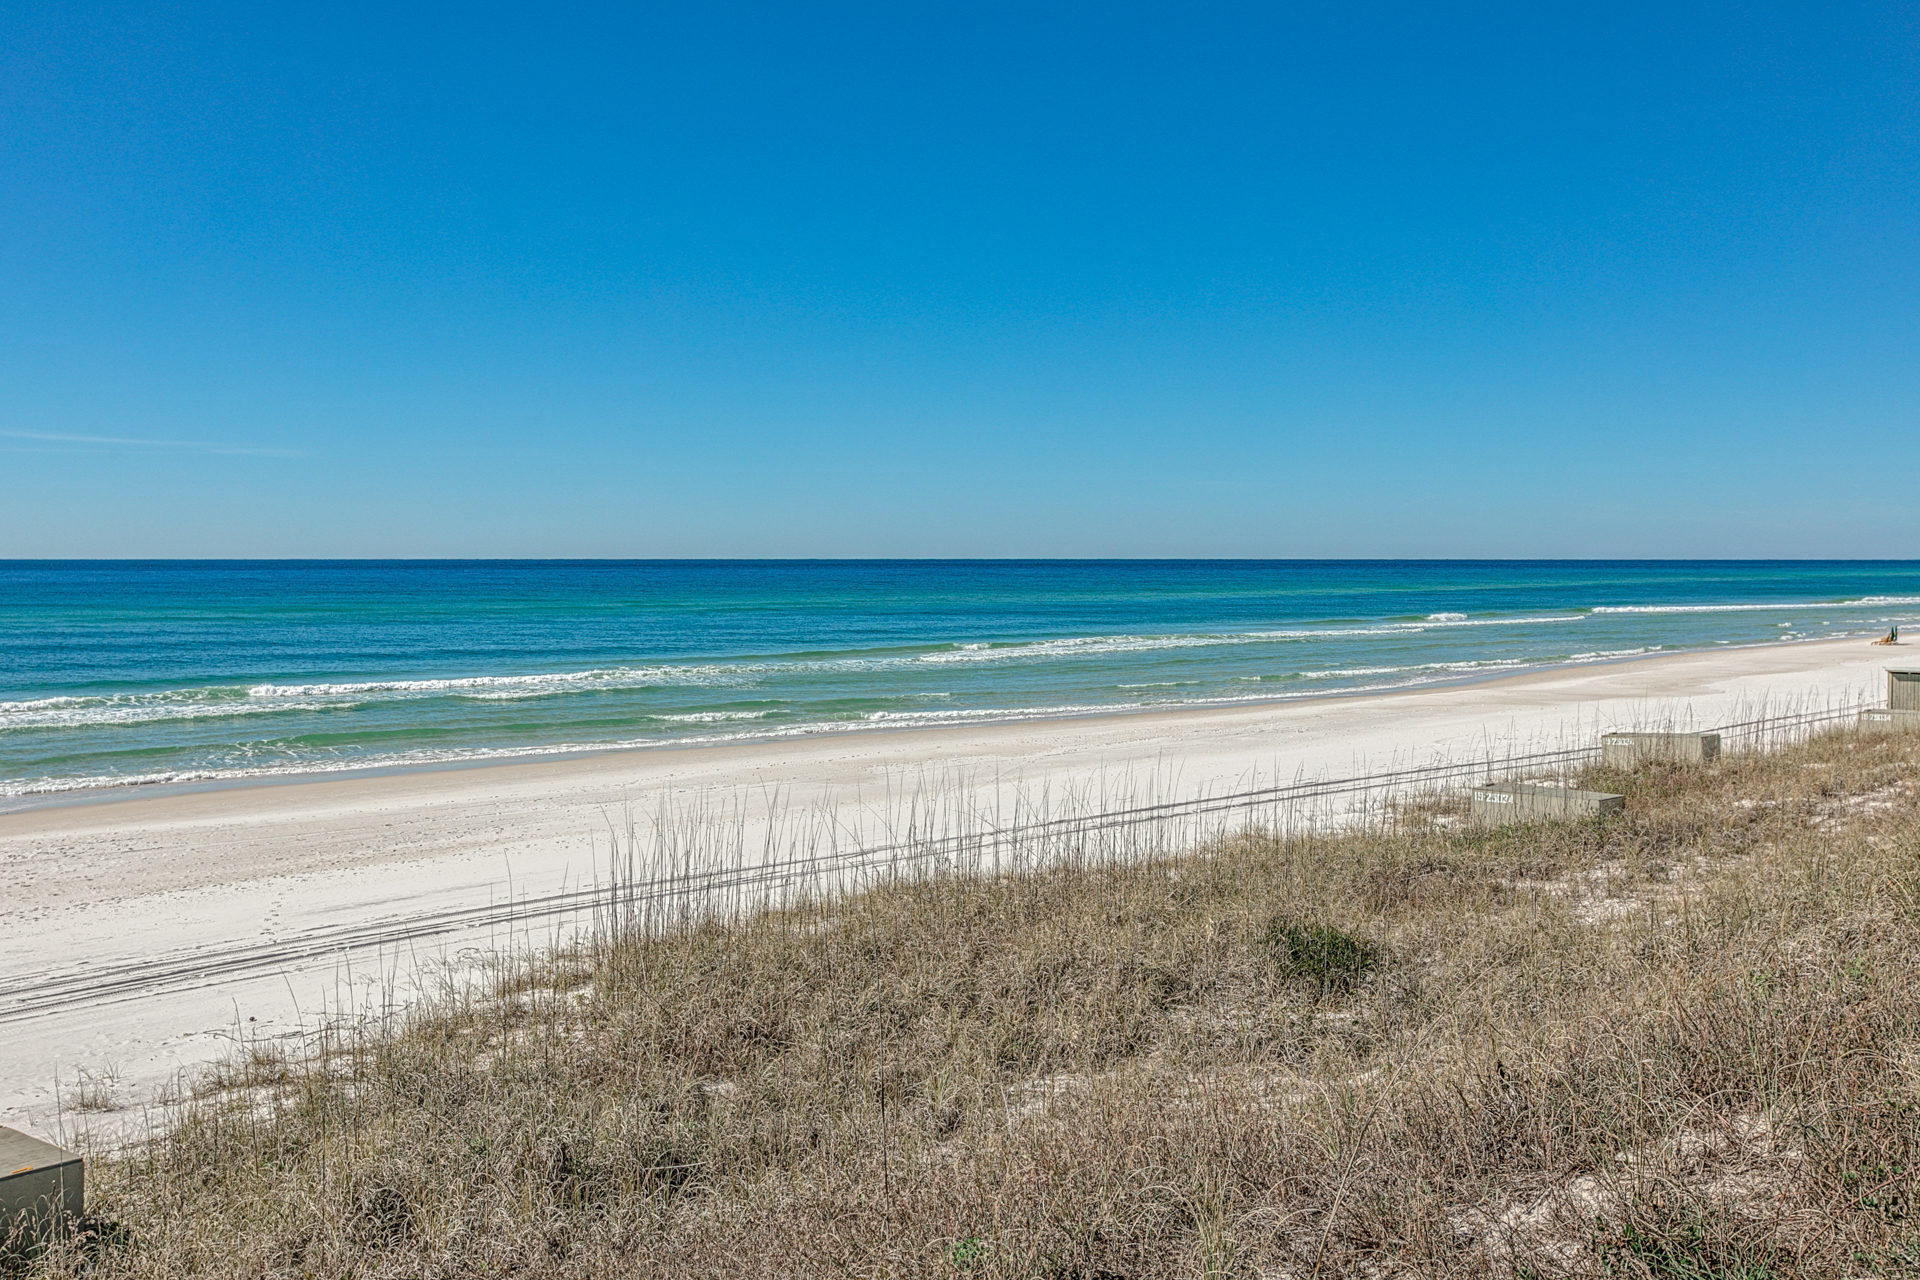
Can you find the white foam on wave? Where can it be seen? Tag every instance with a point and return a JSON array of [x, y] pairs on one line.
[[136, 709], [1088, 646], [26, 705], [1468, 664], [965, 715], [220, 702], [1479, 664], [1873, 601], [535, 683], [712, 717]]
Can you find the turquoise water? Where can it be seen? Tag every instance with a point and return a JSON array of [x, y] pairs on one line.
[[169, 671]]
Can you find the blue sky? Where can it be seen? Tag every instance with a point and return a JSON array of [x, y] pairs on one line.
[[959, 280]]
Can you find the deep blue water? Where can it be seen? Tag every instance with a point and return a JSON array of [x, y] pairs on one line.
[[162, 671]]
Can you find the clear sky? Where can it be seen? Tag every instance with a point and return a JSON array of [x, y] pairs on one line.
[[959, 279]]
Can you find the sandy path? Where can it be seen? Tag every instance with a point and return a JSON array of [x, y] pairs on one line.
[[141, 932]]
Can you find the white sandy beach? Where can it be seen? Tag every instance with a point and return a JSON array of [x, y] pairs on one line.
[[124, 907]]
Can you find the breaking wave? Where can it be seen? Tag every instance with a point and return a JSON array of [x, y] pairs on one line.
[[1868, 601]]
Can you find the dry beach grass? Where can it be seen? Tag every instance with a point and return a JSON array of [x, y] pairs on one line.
[[1684, 1043]]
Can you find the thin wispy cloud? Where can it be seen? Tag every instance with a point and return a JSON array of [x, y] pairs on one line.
[[145, 442]]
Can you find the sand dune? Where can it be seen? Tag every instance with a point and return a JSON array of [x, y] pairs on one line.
[[142, 932]]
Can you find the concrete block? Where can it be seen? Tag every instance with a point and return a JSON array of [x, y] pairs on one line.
[[1625, 750], [41, 1185], [1903, 688], [1889, 720], [1503, 802]]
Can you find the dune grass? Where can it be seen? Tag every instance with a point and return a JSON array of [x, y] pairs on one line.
[[1680, 1043]]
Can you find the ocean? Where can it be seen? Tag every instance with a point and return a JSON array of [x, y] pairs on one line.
[[167, 672]]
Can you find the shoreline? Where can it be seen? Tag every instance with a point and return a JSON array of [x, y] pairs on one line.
[[335, 890], [123, 792]]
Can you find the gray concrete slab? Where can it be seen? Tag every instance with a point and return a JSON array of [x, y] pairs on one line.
[[1504, 802], [1889, 720], [41, 1185], [1626, 750]]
